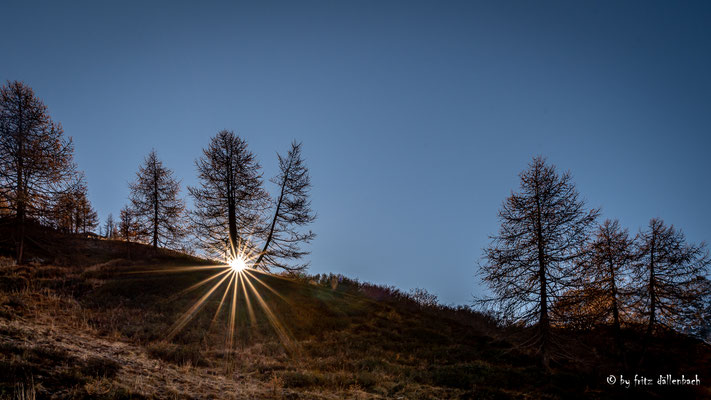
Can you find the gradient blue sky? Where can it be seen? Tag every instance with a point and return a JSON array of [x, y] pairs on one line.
[[416, 117]]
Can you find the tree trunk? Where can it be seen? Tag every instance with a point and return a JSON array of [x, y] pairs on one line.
[[616, 313], [652, 298], [232, 227], [155, 206], [20, 192], [652, 294], [544, 321]]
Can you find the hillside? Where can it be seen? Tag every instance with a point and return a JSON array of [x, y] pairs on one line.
[[90, 318]]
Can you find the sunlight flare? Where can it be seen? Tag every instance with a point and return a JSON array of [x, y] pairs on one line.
[[236, 271], [238, 264]]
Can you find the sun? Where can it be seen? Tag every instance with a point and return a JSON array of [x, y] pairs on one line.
[[238, 264]]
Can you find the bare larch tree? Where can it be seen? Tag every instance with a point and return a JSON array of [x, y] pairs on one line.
[[129, 229], [604, 269], [230, 199], [156, 204], [110, 228], [71, 210], [291, 211], [544, 230], [35, 158], [669, 273]]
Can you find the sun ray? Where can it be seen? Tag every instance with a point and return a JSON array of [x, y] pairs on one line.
[[250, 310], [202, 282], [268, 287], [233, 316], [177, 269], [188, 315], [222, 300], [238, 268], [281, 331]]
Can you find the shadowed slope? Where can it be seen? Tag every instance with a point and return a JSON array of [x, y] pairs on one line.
[[291, 337]]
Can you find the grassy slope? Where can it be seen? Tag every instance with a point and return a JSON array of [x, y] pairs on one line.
[[82, 324]]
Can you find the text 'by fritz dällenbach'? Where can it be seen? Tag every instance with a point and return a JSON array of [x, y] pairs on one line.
[[660, 380]]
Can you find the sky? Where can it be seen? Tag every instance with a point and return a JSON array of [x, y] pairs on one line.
[[416, 117]]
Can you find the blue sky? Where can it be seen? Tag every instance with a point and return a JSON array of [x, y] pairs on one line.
[[416, 117]]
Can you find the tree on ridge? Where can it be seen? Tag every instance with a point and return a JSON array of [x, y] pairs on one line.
[[35, 158], [230, 200], [292, 210], [156, 204], [531, 261]]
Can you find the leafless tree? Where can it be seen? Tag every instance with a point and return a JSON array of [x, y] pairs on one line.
[[110, 229], [603, 271], [670, 274], [291, 211], [129, 229], [230, 199], [703, 328], [71, 210], [35, 158], [156, 203], [63, 212], [87, 216], [424, 298], [544, 230]]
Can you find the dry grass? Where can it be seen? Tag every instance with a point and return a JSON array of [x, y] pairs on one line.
[[89, 328]]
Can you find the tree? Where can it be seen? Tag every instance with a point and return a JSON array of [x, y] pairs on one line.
[[292, 210], [603, 270], [529, 264], [702, 329], [63, 212], [129, 229], [671, 276], [71, 210], [155, 202], [35, 158], [110, 230], [424, 298], [230, 198], [87, 218]]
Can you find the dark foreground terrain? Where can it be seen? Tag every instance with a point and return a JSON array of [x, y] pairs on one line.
[[90, 318]]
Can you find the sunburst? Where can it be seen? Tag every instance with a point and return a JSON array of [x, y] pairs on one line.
[[236, 277]]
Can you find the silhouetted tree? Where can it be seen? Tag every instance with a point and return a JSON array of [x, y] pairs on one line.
[[230, 198], [581, 307], [291, 210], [702, 330], [423, 297], [88, 218], [603, 271], [35, 158], [63, 212], [72, 212], [110, 230], [129, 229], [544, 230], [670, 274], [155, 202]]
